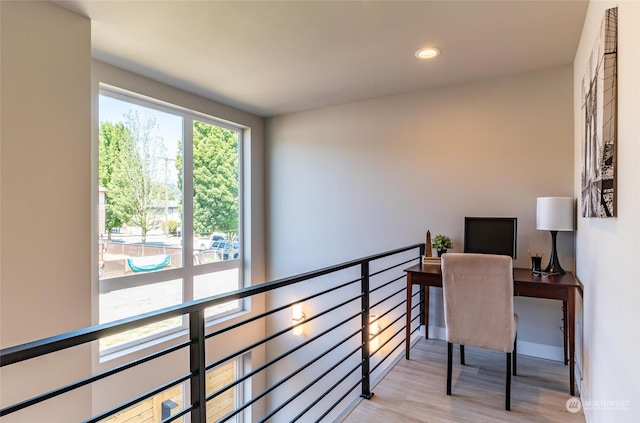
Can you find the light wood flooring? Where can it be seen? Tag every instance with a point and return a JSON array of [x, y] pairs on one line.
[[414, 390]]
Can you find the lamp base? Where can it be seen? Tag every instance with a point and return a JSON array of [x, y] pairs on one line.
[[554, 264]]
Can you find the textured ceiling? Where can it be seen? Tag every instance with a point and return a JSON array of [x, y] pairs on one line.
[[276, 57]]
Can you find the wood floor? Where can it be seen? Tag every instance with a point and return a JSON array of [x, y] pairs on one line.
[[414, 391]]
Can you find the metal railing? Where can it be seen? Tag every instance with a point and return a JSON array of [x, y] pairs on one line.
[[340, 329]]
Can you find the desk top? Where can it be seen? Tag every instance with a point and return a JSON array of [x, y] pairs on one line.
[[519, 275]]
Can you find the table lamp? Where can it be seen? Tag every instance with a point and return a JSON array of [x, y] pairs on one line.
[[555, 214]]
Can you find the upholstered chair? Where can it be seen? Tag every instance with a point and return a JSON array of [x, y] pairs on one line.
[[478, 307]]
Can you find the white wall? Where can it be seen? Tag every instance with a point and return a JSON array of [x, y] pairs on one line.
[[48, 211], [607, 250], [46, 199], [361, 178]]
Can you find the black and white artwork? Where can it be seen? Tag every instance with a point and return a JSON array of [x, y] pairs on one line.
[[599, 104]]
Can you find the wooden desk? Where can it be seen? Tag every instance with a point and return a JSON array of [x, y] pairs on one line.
[[525, 283]]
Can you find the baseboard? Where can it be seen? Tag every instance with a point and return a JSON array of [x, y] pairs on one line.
[[435, 332], [532, 349]]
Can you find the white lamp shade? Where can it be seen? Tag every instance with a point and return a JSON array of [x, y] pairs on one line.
[[555, 214]]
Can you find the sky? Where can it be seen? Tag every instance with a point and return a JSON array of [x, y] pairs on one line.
[[169, 126]]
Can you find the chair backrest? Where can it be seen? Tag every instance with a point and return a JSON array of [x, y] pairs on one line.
[[478, 300]]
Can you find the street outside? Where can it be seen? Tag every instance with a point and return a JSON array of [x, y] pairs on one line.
[[116, 256], [134, 301], [199, 243]]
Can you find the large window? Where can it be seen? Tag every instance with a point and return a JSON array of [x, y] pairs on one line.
[[169, 211]]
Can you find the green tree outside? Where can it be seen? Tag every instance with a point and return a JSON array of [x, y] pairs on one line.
[[215, 179], [132, 169], [112, 141], [135, 188]]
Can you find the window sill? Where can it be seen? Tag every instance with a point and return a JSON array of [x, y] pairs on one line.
[[151, 344]]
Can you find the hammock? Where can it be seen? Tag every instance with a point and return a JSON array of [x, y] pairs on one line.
[[149, 263]]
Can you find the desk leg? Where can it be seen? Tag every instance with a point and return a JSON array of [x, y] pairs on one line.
[[407, 342], [571, 313], [426, 312], [565, 332]]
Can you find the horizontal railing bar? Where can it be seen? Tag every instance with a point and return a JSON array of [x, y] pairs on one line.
[[388, 283], [400, 344], [249, 403], [391, 337], [309, 363], [392, 267], [385, 343], [335, 404], [387, 298], [178, 414], [400, 304], [139, 398], [413, 319], [390, 253], [82, 382], [18, 353], [283, 307], [417, 327], [48, 345], [283, 355], [275, 335], [55, 343], [331, 269], [309, 385], [324, 394], [300, 369], [417, 306], [393, 322]]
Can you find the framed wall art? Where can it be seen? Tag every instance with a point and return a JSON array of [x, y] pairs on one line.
[[599, 105]]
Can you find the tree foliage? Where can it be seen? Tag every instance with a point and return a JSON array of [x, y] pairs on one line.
[[215, 179], [132, 165], [112, 141], [135, 187]]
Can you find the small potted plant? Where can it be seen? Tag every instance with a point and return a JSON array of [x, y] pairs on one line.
[[442, 243]]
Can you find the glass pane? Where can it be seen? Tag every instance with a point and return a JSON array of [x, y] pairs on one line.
[[140, 211], [130, 302], [217, 283], [215, 199]]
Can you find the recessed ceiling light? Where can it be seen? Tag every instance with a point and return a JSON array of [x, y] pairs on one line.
[[427, 53]]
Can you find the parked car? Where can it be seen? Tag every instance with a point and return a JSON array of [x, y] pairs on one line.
[[222, 248], [215, 239]]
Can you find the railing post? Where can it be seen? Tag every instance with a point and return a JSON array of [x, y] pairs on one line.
[[422, 288], [198, 372], [366, 362]]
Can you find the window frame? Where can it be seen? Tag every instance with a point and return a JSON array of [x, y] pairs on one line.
[[188, 272]]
